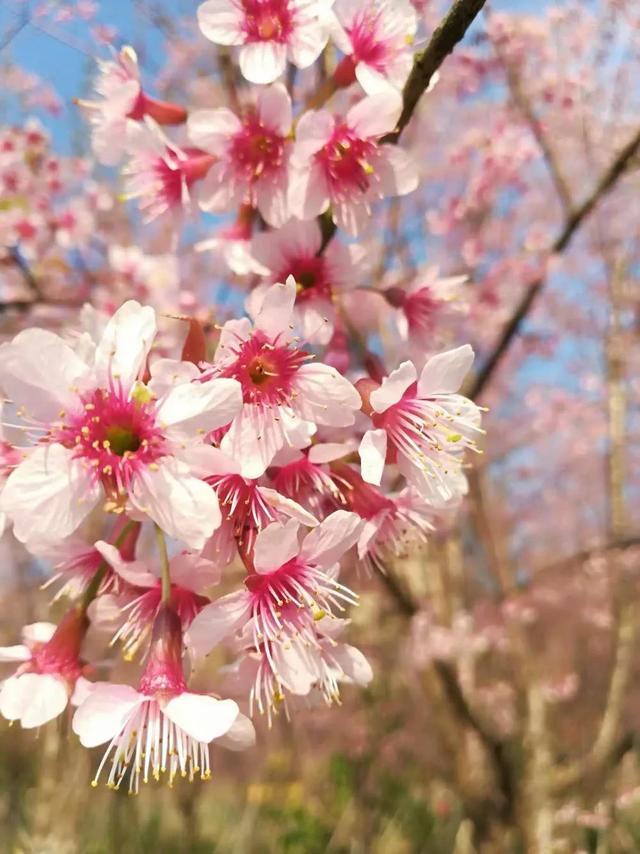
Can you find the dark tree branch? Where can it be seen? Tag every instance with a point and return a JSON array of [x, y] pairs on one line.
[[445, 37], [425, 64], [574, 220], [450, 686]]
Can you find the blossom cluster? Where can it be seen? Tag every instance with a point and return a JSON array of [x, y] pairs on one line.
[[198, 486]]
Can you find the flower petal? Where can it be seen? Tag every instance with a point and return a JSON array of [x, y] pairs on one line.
[[287, 506], [221, 22], [133, 571], [393, 387], [182, 505], [189, 409], [327, 543], [48, 495], [38, 371], [39, 632], [216, 622], [376, 114], [352, 663], [127, 339], [276, 545], [373, 453], [17, 652], [167, 373], [212, 129], [276, 310], [33, 698], [240, 735], [274, 109], [254, 438], [200, 716], [103, 713], [194, 572], [325, 396], [313, 131], [444, 373], [262, 62]]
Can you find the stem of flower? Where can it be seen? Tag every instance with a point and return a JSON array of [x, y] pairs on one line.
[[165, 574]]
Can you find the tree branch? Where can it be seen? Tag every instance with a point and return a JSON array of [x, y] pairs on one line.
[[450, 686], [522, 103], [425, 64], [445, 37], [608, 748], [575, 219]]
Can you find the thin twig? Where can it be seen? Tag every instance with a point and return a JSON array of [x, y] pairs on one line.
[[575, 219], [523, 104]]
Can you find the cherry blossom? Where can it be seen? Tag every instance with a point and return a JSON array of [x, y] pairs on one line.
[[375, 37], [284, 396], [105, 435], [284, 573], [294, 250], [160, 728], [49, 671], [269, 31], [338, 161], [424, 424], [140, 588], [159, 173], [251, 152]]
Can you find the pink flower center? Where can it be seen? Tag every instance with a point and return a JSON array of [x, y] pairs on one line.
[[347, 161], [242, 502], [265, 371], [303, 480], [257, 151], [363, 498], [163, 673], [367, 45], [292, 589], [267, 20], [59, 656], [420, 309], [173, 175], [116, 435], [311, 278]]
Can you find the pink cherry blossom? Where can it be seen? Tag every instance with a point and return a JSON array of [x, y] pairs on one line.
[[105, 435], [248, 505], [191, 576], [338, 162], [295, 677], [392, 522], [252, 155], [424, 424], [427, 305], [160, 728], [49, 669], [269, 31], [375, 36], [121, 98], [159, 173], [294, 250], [305, 476], [284, 397], [285, 573]]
